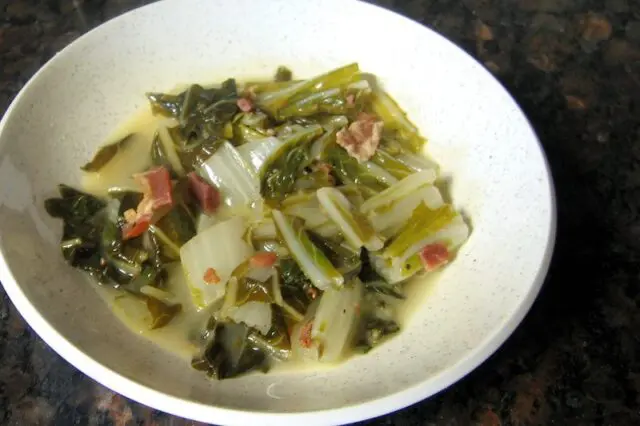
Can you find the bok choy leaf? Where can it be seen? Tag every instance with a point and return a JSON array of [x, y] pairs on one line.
[[354, 226], [274, 101], [220, 248], [258, 151], [336, 319], [396, 119], [285, 164], [311, 260], [229, 352], [425, 227], [232, 175]]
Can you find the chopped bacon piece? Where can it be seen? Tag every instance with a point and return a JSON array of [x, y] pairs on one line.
[[263, 259], [156, 184], [434, 256], [156, 201], [135, 229], [305, 335], [312, 292], [208, 196], [211, 276], [362, 137], [245, 104]]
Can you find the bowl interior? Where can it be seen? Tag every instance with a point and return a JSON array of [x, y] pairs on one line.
[[478, 135]]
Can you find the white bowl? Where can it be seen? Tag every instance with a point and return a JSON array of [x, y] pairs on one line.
[[499, 178]]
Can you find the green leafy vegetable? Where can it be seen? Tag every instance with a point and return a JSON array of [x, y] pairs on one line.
[[354, 226], [106, 154], [229, 352], [396, 119], [274, 101], [283, 74], [423, 224], [308, 251], [284, 166], [311, 260], [228, 171], [82, 231], [202, 115], [161, 313], [163, 152], [393, 166], [349, 171], [373, 331], [297, 289], [336, 319]]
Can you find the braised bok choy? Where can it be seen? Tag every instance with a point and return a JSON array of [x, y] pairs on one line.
[[295, 211]]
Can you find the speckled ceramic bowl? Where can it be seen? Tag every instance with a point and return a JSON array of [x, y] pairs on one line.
[[498, 174]]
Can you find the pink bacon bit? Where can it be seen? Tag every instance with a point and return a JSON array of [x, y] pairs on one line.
[[263, 259], [157, 200], [211, 276], [305, 335], [362, 137], [434, 256], [208, 196], [156, 184], [245, 104]]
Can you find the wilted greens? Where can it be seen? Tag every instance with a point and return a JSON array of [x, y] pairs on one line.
[[297, 209]]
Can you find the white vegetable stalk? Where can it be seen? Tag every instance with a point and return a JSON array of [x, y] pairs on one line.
[[265, 230], [389, 218], [221, 248], [336, 319], [303, 347], [254, 314], [356, 228], [399, 190], [394, 273], [311, 260], [232, 175], [380, 173], [452, 235], [255, 153]]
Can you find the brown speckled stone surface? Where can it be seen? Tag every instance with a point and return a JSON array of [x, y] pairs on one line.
[[574, 67]]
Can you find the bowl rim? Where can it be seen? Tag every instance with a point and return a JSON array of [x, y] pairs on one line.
[[227, 416]]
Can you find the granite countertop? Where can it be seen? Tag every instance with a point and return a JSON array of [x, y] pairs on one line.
[[574, 67]]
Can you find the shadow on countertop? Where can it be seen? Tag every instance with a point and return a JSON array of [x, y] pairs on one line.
[[574, 67]]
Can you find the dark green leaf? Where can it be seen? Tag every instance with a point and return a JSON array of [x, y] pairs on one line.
[[284, 166], [283, 74], [178, 225], [202, 113], [164, 104], [128, 199], [230, 352], [106, 154], [296, 288], [373, 331], [82, 229], [158, 153], [348, 170]]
